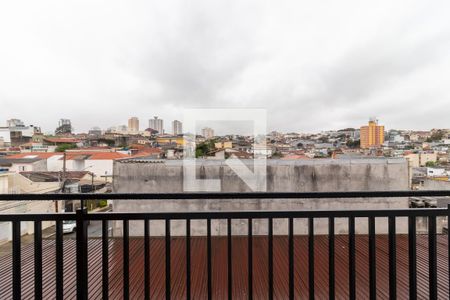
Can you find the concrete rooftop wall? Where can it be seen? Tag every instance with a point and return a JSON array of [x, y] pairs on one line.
[[322, 175]]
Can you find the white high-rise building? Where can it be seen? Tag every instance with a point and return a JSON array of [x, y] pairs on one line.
[[177, 127], [208, 133], [156, 124]]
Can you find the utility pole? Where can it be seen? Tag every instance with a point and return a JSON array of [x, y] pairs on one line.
[[92, 188], [63, 180], [64, 166]]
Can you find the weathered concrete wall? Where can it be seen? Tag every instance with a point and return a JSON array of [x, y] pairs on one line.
[[282, 176], [430, 184]]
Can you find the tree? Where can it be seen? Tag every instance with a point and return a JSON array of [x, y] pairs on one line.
[[431, 164], [204, 148], [64, 147], [353, 144], [436, 136]]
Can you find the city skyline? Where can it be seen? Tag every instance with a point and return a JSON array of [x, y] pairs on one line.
[[219, 127], [83, 126]]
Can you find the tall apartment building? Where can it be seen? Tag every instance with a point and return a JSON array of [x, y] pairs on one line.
[[177, 127], [62, 122], [156, 124], [208, 133], [372, 135], [133, 124], [64, 127]]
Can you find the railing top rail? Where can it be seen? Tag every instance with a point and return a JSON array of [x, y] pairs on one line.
[[220, 195], [254, 214], [68, 216]]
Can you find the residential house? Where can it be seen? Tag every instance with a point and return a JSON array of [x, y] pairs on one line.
[[28, 162], [98, 163], [15, 183]]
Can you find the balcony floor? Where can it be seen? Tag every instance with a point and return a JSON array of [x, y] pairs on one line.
[[219, 265]]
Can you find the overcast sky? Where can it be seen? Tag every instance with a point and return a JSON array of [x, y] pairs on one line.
[[314, 65]]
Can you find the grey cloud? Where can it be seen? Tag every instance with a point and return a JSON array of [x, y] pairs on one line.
[[312, 66]]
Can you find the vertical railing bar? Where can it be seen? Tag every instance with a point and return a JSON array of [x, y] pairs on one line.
[[331, 255], [412, 254], [229, 260], [168, 280], [291, 257], [208, 252], [16, 256], [372, 260], [147, 259], [38, 260], [188, 259], [105, 259], [352, 258], [270, 258], [126, 260], [392, 259], [432, 257], [311, 257], [250, 258], [82, 253], [448, 245], [59, 262]]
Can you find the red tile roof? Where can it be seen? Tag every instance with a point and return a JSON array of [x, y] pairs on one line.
[[295, 156], [62, 140], [94, 155], [219, 268], [138, 146], [107, 155], [97, 148], [145, 153]]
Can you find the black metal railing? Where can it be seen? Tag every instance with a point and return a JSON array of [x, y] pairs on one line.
[[82, 217]]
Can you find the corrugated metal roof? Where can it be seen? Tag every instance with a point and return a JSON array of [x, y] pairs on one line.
[[219, 263], [38, 176]]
